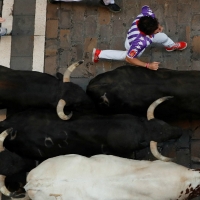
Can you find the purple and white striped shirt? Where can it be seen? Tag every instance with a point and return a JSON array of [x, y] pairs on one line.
[[137, 40]]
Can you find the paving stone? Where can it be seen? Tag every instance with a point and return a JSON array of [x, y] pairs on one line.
[[104, 45], [76, 33], [65, 6], [92, 9], [116, 64], [182, 33], [184, 10], [171, 61], [195, 65], [22, 46], [195, 31], [170, 27], [77, 52], [64, 58], [52, 12], [65, 37], [50, 65], [22, 7], [79, 13], [90, 26], [89, 44], [21, 63], [105, 33], [170, 7], [196, 48], [65, 19], [104, 17], [117, 43], [195, 6], [52, 29], [157, 54], [51, 47], [184, 63], [23, 25]]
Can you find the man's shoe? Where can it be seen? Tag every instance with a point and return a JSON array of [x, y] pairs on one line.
[[95, 55], [177, 46], [112, 7], [51, 1]]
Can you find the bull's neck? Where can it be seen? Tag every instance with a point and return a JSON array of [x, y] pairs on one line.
[[194, 187]]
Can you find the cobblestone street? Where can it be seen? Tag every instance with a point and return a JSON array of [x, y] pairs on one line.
[[74, 29]]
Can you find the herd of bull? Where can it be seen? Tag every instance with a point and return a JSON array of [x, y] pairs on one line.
[[99, 130]]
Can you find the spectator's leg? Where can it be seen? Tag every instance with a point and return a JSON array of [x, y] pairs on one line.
[[111, 5]]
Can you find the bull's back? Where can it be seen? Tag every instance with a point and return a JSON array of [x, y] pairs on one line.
[[131, 89], [104, 177], [25, 88]]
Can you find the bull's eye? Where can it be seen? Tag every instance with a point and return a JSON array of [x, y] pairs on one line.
[[48, 142], [13, 135]]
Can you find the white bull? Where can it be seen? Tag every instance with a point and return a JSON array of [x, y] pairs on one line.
[[105, 177]]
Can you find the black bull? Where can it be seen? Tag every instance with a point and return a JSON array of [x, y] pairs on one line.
[[130, 89], [40, 134], [13, 169], [22, 89]]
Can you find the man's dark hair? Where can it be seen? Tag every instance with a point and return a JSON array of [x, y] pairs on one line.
[[148, 25]]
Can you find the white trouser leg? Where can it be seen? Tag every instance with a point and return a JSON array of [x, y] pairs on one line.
[[109, 2], [115, 54], [163, 39]]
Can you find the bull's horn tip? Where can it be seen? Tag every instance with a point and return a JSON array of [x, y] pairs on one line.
[[81, 61], [167, 98], [153, 142], [9, 130]]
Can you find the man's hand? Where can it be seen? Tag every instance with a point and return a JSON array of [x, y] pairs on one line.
[[153, 65], [135, 61]]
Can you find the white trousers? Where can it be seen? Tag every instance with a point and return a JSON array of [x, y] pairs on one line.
[[160, 38], [105, 1], [109, 2]]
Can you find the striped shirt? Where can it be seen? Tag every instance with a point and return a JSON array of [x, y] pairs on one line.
[[139, 41]]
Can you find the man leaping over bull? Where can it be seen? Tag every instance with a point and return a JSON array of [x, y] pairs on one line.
[[144, 30]]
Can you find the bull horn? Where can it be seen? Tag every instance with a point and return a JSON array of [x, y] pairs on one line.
[[150, 111], [69, 70], [3, 135], [60, 110], [3, 188], [156, 154]]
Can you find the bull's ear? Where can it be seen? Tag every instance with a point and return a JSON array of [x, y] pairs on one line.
[[59, 76]]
